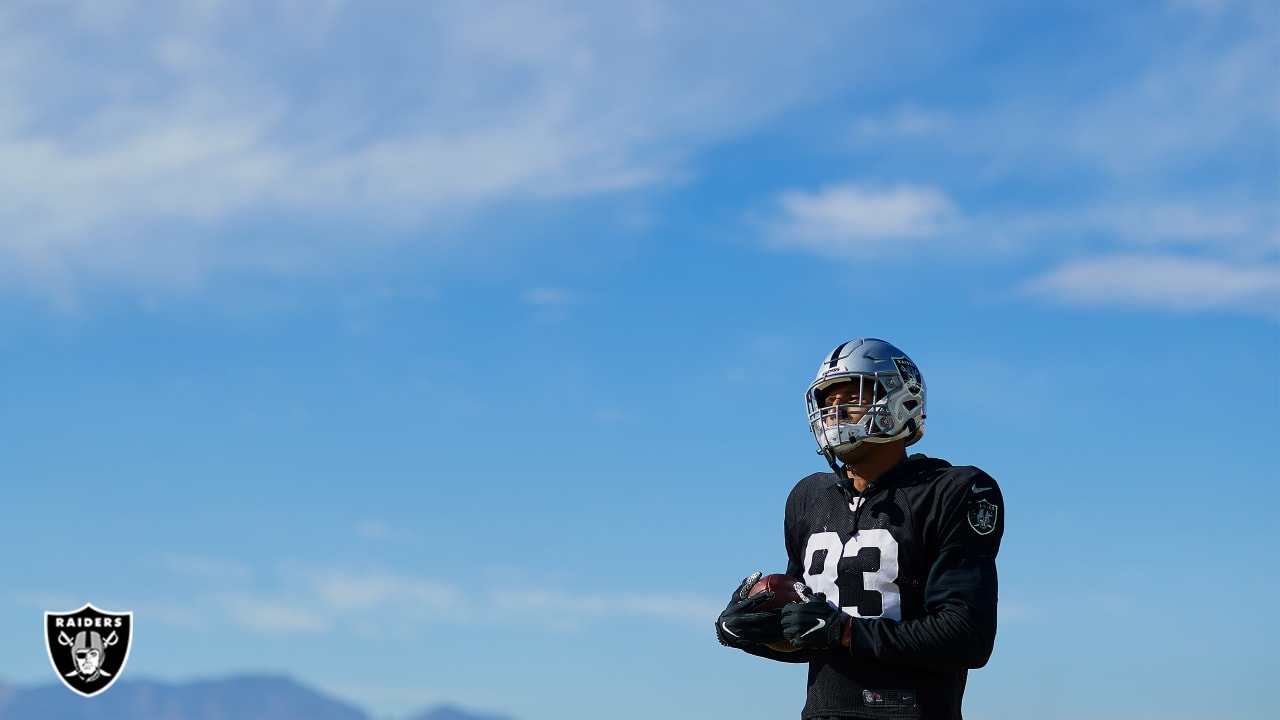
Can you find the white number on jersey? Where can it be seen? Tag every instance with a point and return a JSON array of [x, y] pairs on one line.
[[826, 550]]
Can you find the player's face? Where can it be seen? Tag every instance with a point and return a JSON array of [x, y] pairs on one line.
[[847, 401], [87, 661]]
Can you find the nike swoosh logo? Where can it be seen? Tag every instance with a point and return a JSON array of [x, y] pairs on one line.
[[977, 489], [821, 624], [725, 628]]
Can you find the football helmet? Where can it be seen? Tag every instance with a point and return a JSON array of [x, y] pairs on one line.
[[885, 400]]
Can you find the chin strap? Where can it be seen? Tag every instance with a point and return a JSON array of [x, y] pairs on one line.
[[830, 455]]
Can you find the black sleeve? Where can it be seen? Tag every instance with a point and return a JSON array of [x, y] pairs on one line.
[[958, 628]]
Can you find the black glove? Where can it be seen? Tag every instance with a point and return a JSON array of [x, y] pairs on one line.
[[743, 623], [815, 624]]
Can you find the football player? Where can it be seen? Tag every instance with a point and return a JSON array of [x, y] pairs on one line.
[[898, 553]]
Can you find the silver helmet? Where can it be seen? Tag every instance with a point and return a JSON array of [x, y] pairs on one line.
[[888, 400]]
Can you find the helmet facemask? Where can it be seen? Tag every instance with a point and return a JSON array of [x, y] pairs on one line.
[[863, 413]]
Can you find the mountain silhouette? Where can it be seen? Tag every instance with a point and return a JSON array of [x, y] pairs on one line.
[[258, 697], [449, 712]]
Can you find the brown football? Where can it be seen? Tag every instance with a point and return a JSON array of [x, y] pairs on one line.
[[784, 593], [783, 587]]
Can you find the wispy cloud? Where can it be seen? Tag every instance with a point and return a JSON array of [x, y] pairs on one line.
[[551, 304], [1153, 171], [1229, 230], [272, 617], [588, 607], [843, 220], [132, 134], [295, 599], [1164, 282], [378, 530], [205, 569], [1172, 255], [1213, 92], [550, 297], [907, 121]]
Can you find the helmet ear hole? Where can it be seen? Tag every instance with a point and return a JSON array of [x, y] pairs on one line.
[[910, 404]]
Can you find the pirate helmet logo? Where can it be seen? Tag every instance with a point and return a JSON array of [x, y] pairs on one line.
[[910, 375], [88, 647], [983, 516]]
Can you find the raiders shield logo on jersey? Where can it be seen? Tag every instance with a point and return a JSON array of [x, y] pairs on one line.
[[982, 517], [88, 647]]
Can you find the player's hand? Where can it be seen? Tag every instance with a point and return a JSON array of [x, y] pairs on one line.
[[815, 623], [743, 623]]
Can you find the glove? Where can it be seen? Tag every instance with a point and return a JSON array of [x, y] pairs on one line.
[[743, 623], [815, 624]]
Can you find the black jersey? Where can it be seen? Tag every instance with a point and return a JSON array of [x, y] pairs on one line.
[[912, 559]]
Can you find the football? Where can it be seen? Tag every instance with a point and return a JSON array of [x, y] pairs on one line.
[[783, 587], [784, 593]]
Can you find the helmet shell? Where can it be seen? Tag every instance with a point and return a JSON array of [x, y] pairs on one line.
[[87, 640]]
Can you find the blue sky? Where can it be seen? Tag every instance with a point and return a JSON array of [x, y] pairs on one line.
[[456, 351]]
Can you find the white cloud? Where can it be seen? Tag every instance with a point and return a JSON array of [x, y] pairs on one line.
[[1170, 115], [1226, 230], [201, 568], [1170, 255], [378, 530], [1198, 257], [841, 220], [131, 134], [551, 304], [1186, 94], [1236, 233], [1162, 282], [901, 122], [270, 616], [548, 606], [1210, 7], [310, 600], [345, 591], [552, 297]]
